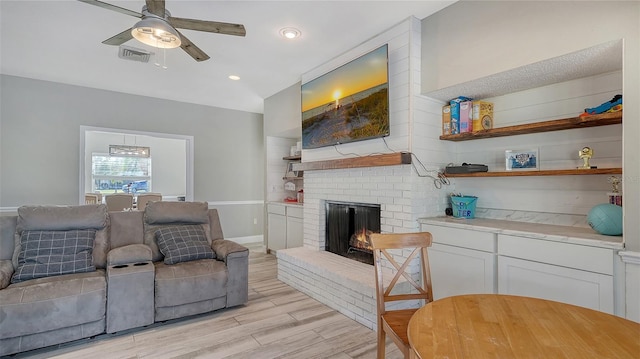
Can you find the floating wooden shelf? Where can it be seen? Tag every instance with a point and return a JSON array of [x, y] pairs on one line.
[[391, 159], [537, 127], [292, 178], [573, 172], [292, 158]]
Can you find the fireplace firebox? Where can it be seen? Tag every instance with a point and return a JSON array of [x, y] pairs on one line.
[[348, 226]]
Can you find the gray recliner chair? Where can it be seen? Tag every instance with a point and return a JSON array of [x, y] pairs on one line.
[[200, 285], [49, 308]]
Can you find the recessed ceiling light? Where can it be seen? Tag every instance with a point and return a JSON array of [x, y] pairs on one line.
[[290, 33], [234, 77]]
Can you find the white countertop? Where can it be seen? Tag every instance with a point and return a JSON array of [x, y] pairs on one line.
[[549, 232], [292, 204]]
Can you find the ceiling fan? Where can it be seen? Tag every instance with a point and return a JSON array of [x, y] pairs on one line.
[[159, 29]]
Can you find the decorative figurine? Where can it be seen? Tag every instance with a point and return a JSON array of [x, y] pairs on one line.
[[615, 197], [586, 153], [615, 182]]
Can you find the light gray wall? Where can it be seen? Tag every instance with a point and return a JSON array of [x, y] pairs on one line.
[[283, 113], [473, 39], [40, 134]]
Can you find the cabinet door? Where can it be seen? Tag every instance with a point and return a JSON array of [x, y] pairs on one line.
[[561, 284], [294, 232], [456, 271], [277, 231]]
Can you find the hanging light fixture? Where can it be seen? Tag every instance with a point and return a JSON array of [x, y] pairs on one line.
[[156, 31], [129, 151]]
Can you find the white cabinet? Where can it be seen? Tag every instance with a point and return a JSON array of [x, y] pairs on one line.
[[277, 227], [461, 261], [294, 232], [564, 272], [530, 261], [284, 226]]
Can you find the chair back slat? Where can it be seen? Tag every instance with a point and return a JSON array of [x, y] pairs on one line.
[[401, 240], [419, 242], [399, 297], [400, 270]]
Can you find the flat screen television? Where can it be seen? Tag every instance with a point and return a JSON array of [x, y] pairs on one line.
[[347, 104]]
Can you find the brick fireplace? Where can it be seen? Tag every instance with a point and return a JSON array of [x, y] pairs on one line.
[[341, 283], [402, 193]]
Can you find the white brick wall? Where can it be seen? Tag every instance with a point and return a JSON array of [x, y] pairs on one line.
[[404, 193], [387, 186], [403, 196]]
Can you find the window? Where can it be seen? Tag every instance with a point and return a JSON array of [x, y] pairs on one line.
[[112, 174]]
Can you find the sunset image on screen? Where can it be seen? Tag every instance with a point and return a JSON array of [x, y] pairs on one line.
[[347, 104]]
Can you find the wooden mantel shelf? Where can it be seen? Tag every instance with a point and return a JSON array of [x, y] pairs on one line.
[[604, 119], [391, 159], [571, 172]]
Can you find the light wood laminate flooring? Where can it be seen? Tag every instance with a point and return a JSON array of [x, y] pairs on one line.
[[278, 322]]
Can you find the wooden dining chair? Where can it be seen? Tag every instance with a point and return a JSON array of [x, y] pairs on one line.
[[91, 198], [119, 201], [144, 198], [394, 323]]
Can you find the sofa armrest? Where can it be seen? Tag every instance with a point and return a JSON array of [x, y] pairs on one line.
[[132, 253], [236, 257], [226, 249], [6, 271]]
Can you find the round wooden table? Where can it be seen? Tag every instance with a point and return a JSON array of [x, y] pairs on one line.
[[504, 326]]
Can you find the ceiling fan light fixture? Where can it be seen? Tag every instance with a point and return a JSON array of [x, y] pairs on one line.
[[156, 32]]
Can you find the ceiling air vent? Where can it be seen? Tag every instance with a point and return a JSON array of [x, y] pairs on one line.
[[134, 54]]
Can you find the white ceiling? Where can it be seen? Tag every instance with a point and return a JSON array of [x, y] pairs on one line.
[[61, 41]]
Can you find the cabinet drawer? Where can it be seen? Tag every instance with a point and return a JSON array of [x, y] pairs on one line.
[[276, 209], [593, 259], [294, 212], [482, 241]]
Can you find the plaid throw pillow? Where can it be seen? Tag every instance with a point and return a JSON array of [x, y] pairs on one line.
[[183, 243], [50, 253]]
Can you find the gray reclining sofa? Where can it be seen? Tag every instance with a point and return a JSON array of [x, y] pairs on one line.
[[74, 272]]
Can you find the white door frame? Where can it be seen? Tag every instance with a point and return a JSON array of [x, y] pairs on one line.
[[189, 152]]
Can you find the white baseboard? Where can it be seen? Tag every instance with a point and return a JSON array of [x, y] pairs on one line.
[[247, 239], [9, 210]]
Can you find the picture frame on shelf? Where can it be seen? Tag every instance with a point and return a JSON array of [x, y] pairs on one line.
[[522, 160]]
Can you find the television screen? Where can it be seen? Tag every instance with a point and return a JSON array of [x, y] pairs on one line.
[[350, 103]]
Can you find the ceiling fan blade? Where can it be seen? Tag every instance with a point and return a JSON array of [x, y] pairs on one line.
[[208, 26], [119, 9], [191, 49], [119, 39], [156, 7]]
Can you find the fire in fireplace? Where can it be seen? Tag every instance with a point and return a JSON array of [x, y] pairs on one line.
[[360, 241], [348, 227]]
